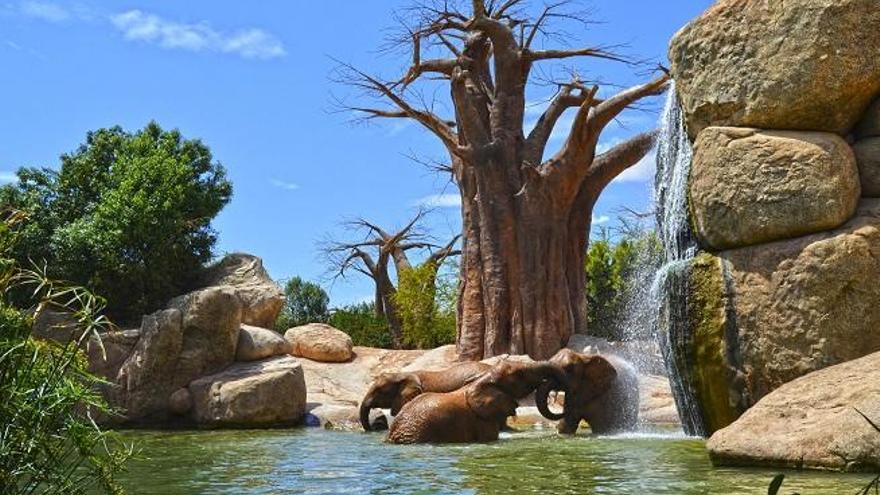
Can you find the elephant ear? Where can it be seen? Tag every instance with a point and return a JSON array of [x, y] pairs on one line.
[[488, 401], [600, 374], [410, 387]]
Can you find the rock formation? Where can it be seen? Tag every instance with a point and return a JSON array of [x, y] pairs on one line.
[[777, 99], [261, 298], [319, 342], [811, 422]]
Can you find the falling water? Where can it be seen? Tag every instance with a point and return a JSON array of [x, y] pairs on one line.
[[670, 289]]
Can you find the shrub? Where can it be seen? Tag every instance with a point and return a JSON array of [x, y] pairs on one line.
[[127, 215], [425, 326], [49, 443], [616, 277], [360, 322], [305, 302]]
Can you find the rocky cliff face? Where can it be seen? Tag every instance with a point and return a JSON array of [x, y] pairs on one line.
[[777, 98]]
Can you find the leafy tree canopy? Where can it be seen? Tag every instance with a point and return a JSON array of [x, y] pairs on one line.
[[127, 215], [306, 302]]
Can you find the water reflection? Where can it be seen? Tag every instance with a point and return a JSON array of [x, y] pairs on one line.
[[321, 462]]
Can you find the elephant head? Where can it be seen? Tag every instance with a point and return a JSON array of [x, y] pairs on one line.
[[389, 390], [495, 395], [589, 376]]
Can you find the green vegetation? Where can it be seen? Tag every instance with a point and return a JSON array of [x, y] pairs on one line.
[[127, 215], [362, 324], [427, 316], [306, 302], [49, 442], [611, 269]]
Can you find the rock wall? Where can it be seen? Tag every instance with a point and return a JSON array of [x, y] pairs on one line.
[[782, 103]]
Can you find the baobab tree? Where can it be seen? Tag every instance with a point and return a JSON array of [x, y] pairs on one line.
[[525, 216], [375, 251]]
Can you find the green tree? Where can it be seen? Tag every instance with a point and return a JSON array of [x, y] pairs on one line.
[[424, 325], [49, 443], [126, 214], [306, 302]]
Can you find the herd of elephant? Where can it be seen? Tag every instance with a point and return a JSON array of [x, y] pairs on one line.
[[470, 402]]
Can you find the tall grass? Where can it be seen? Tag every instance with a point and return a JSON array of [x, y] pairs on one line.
[[50, 442]]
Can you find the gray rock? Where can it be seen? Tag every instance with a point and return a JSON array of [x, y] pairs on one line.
[[261, 298]]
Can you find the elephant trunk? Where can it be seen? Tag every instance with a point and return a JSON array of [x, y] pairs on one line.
[[542, 394], [366, 407]]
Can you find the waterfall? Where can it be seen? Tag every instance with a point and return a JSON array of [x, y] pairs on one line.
[[670, 286]]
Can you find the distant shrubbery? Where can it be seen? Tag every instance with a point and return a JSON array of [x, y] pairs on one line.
[[360, 322], [127, 215], [306, 302], [426, 304], [615, 271], [49, 443]]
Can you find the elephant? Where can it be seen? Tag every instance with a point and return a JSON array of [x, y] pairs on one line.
[[603, 391], [393, 390], [475, 412]]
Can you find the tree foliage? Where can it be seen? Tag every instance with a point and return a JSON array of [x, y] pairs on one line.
[[49, 442], [127, 215], [305, 302], [362, 324], [615, 271], [427, 321]]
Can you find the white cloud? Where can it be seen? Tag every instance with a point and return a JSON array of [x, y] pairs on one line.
[[251, 43], [440, 201], [44, 11], [290, 186], [15, 46], [600, 219], [643, 171], [7, 177]]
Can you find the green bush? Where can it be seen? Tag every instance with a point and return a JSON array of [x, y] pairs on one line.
[[613, 279], [305, 302], [49, 443], [360, 322], [425, 324], [127, 215]]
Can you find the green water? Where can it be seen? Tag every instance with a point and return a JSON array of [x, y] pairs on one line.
[[316, 461]]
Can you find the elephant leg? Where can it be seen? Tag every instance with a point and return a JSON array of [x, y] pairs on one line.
[[568, 425]]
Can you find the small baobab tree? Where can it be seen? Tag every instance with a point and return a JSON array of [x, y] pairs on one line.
[[375, 251], [525, 216]]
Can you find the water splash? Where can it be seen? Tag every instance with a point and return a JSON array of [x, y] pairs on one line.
[[670, 286]]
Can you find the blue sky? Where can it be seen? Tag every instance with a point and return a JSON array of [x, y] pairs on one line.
[[253, 81]]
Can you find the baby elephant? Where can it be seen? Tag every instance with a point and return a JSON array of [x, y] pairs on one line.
[[475, 412], [603, 391], [393, 390]]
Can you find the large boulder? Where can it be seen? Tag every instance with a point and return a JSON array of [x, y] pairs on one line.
[[749, 186], [196, 336], [261, 298], [270, 392], [109, 350], [811, 422], [867, 152], [256, 343], [758, 317], [211, 322], [319, 342], [147, 378], [799, 64]]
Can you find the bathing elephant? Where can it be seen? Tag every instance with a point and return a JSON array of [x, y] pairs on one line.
[[393, 390], [475, 412], [603, 391]]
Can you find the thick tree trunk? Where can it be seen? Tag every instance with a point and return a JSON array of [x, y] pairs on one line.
[[522, 269]]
